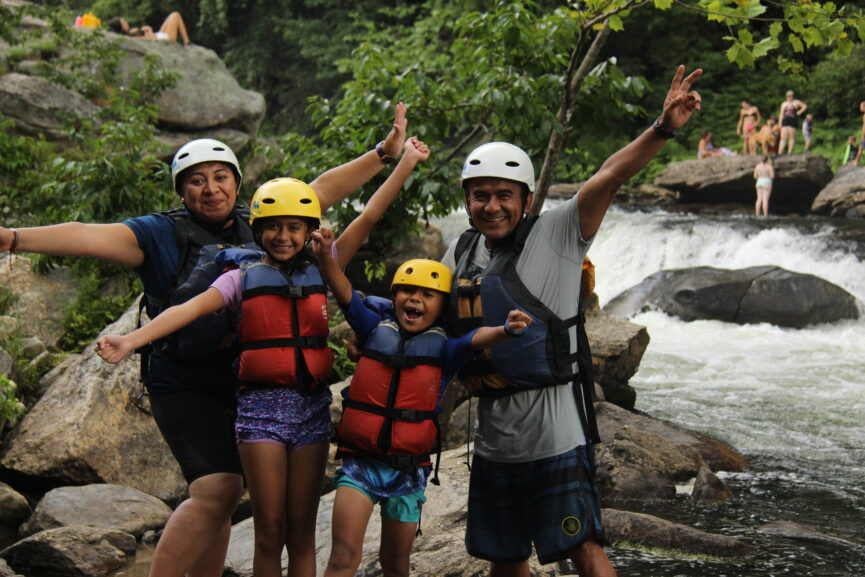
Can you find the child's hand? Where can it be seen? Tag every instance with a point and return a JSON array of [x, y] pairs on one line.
[[416, 150], [518, 322], [113, 348], [322, 241], [396, 135]]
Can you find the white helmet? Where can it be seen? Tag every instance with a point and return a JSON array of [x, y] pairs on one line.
[[499, 160], [203, 150]]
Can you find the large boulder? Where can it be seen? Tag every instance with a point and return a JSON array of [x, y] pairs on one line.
[[100, 506], [730, 179], [844, 196], [93, 426], [75, 551], [38, 106], [761, 294]]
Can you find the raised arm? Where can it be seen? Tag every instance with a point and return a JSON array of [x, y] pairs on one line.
[[596, 195], [514, 327], [355, 234], [111, 242], [337, 183], [114, 348], [340, 286]]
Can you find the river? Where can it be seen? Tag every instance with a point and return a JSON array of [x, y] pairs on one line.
[[792, 401]]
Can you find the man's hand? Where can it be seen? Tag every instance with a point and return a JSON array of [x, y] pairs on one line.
[[416, 150], [393, 142], [681, 101]]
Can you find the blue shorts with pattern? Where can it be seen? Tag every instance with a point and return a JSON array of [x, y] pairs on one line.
[[405, 508], [550, 502], [284, 416]]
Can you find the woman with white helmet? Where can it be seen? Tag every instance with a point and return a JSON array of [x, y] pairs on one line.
[[191, 384]]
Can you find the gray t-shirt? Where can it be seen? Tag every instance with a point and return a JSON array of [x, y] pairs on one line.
[[535, 424]]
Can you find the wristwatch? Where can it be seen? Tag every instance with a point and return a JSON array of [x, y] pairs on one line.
[[663, 132], [382, 155]]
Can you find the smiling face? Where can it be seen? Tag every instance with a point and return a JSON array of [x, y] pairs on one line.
[[496, 206], [282, 237], [417, 308], [209, 191]]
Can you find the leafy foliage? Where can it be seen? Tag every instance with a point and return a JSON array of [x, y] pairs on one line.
[[91, 312], [10, 407]]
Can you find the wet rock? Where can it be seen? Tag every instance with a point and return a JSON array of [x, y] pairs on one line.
[[708, 488], [758, 294], [617, 349], [74, 551], [793, 530], [100, 506], [628, 529], [844, 196]]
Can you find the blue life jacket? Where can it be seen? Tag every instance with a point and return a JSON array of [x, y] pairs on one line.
[[196, 270], [541, 357]]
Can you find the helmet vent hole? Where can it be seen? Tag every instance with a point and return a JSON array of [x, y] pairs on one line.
[[409, 270], [267, 200], [435, 275], [305, 201], [184, 155], [512, 163], [474, 162], [218, 149]]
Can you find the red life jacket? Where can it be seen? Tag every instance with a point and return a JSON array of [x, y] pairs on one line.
[[389, 409], [283, 327]]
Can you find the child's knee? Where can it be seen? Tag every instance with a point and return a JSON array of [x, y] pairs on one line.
[[343, 557]]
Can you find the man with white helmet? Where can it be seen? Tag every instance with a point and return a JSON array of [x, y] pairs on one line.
[[532, 469], [189, 376]]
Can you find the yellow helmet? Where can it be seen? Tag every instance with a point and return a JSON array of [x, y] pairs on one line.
[[285, 197], [423, 272]]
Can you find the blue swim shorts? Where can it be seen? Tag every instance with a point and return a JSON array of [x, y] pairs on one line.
[[284, 416], [405, 508], [550, 502]]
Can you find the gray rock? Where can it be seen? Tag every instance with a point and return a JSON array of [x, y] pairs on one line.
[[6, 570], [637, 529], [617, 349], [720, 457], [708, 488], [37, 105], [100, 506], [759, 294], [844, 196], [75, 551], [14, 508], [639, 466], [729, 179], [92, 426], [32, 347], [793, 530]]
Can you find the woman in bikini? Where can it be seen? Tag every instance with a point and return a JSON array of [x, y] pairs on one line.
[[788, 118], [749, 119]]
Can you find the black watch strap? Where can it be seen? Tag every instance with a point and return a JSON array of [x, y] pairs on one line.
[[661, 131], [382, 155]]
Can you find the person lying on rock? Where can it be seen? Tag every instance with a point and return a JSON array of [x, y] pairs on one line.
[[172, 28]]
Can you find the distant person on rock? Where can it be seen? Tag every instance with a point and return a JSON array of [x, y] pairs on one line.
[[788, 117], [764, 172], [172, 28], [706, 149], [861, 135], [852, 152], [807, 131], [749, 120]]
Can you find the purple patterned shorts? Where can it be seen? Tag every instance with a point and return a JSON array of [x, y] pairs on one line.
[[283, 416]]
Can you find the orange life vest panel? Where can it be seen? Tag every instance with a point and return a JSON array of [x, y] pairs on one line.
[[283, 327], [390, 407]]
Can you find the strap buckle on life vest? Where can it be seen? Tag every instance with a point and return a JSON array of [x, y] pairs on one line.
[[411, 415], [406, 461]]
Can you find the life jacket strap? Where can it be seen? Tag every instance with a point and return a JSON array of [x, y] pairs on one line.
[[308, 342], [395, 413], [398, 361], [292, 291]]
